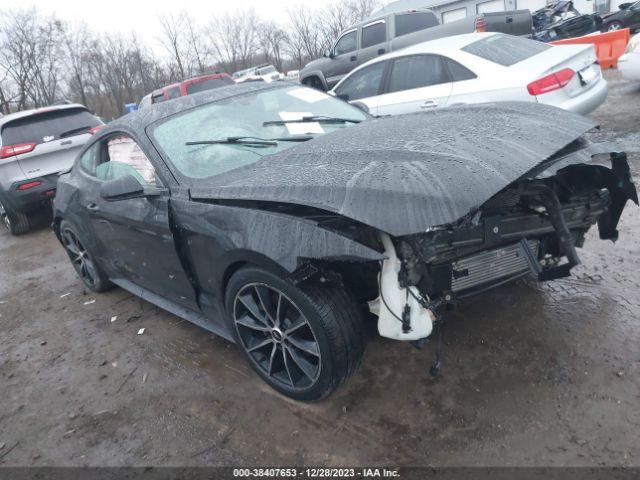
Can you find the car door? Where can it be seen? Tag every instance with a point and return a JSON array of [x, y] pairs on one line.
[[363, 86], [465, 86], [415, 83], [135, 241], [343, 56], [373, 41]]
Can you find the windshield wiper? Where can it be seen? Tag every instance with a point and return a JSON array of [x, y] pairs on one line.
[[251, 141], [313, 119], [74, 130]]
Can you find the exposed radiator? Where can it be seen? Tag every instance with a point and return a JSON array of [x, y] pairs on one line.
[[489, 266]]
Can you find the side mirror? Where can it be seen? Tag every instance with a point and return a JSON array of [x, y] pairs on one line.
[[343, 96], [624, 6], [361, 106], [127, 187], [329, 54]]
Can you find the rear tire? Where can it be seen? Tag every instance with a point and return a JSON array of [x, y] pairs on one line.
[[82, 260], [16, 222], [303, 340]]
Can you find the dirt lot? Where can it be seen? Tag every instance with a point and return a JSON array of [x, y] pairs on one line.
[[532, 375]]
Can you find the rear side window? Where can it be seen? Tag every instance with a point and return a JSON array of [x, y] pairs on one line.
[[362, 84], [208, 84], [173, 92], [412, 22], [459, 72], [505, 50], [417, 71], [157, 97], [374, 34], [45, 127]]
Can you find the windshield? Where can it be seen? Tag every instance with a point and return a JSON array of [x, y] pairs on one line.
[[244, 116]]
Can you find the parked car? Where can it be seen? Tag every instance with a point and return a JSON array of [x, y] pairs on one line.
[[393, 31], [561, 20], [35, 147], [272, 213], [266, 72], [186, 87], [477, 68], [627, 17], [629, 62]]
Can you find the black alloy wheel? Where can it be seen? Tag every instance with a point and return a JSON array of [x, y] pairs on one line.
[[277, 335], [82, 260], [303, 339]]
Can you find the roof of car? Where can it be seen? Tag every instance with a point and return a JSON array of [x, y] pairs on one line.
[[455, 42], [36, 111], [206, 76], [157, 111]]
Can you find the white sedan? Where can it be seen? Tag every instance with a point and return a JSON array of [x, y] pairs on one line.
[[477, 68], [629, 63]]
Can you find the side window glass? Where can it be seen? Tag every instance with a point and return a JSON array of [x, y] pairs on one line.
[[374, 34], [416, 72], [88, 160], [458, 72], [173, 92], [346, 44], [157, 97], [362, 84], [121, 156]]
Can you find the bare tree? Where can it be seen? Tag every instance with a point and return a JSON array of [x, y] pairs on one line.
[[76, 42], [175, 41], [306, 37], [234, 37], [273, 40]]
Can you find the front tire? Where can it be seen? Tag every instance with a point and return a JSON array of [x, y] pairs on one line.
[[314, 82], [613, 26], [16, 222], [82, 260], [303, 340]]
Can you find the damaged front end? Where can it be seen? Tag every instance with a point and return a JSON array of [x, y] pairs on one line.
[[532, 226]]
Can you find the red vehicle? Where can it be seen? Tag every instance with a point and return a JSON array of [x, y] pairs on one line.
[[187, 87]]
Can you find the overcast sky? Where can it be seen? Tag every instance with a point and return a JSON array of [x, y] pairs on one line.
[[141, 15]]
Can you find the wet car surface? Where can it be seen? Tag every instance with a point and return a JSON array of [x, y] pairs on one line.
[[551, 380]]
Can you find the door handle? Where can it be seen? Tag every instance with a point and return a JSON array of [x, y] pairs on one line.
[[509, 19], [93, 207], [353, 58], [429, 104], [380, 51], [66, 142]]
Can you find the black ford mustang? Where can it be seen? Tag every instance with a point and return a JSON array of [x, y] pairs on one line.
[[274, 215]]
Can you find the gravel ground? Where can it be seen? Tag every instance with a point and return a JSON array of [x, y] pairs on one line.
[[532, 375]]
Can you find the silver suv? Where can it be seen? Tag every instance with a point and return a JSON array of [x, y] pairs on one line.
[[35, 147]]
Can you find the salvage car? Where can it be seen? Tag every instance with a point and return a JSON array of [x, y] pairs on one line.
[[276, 216], [477, 68], [627, 17], [561, 20]]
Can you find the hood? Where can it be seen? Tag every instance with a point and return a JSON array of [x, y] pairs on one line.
[[405, 174], [314, 64]]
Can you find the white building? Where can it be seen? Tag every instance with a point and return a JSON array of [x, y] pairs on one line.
[[450, 10]]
